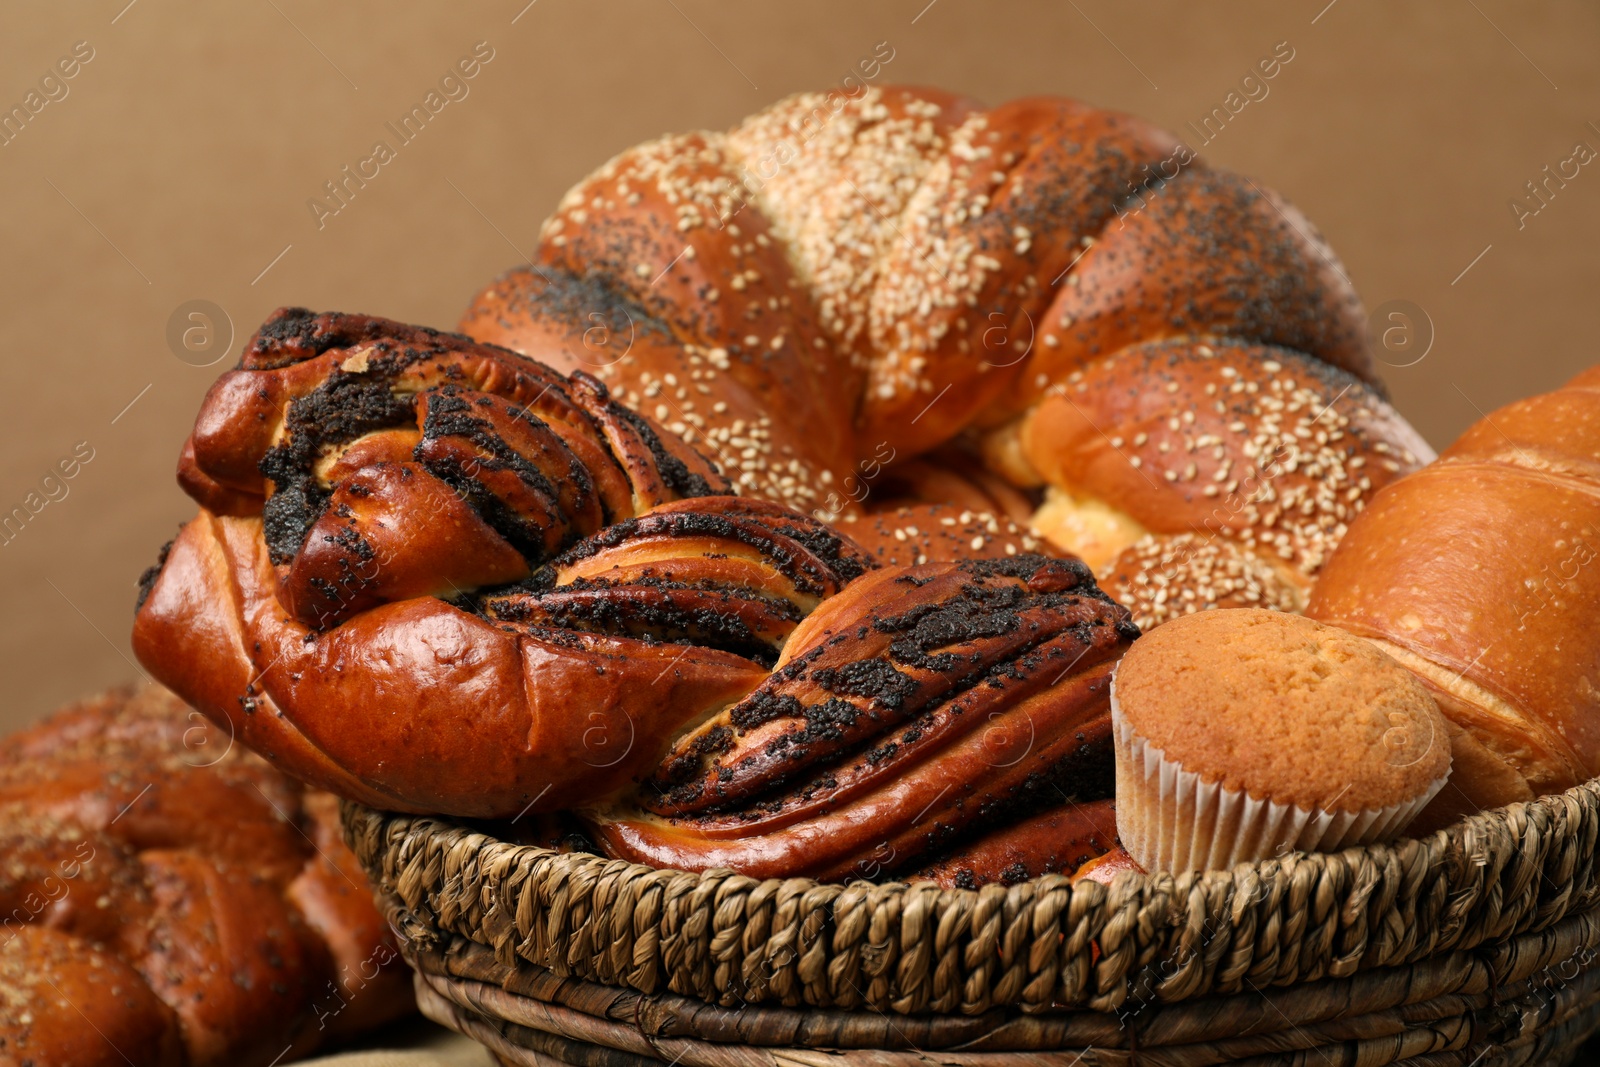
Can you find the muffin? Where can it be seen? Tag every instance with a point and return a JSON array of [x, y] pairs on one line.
[[1243, 734]]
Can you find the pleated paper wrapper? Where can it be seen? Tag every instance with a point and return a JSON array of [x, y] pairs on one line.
[[1171, 819]]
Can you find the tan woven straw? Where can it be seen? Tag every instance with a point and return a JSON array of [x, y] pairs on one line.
[[1476, 945]]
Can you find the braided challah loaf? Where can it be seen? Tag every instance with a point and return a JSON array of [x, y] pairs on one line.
[[168, 898], [1164, 358]]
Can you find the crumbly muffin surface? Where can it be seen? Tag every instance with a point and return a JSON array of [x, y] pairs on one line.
[[1283, 708]]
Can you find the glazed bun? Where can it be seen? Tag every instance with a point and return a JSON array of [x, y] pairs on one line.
[[1478, 573], [169, 898]]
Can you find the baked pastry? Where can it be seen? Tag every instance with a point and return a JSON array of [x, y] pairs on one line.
[[169, 898], [711, 680], [907, 713], [434, 576], [1243, 734], [389, 461], [1105, 867], [1478, 574], [1222, 475], [355, 470], [1042, 312], [1058, 840]]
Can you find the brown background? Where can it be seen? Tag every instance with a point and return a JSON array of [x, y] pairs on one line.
[[180, 163]]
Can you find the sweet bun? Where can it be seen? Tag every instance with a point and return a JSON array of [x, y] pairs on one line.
[[169, 898], [1479, 574], [470, 585]]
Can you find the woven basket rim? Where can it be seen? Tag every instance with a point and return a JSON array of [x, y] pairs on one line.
[[1291, 919], [1467, 834]]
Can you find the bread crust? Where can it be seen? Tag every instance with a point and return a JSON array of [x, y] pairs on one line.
[[1515, 649], [166, 886], [945, 282], [1482, 570]]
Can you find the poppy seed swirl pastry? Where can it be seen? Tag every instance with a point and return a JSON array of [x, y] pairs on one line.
[[1046, 314], [360, 481], [915, 707], [436, 576]]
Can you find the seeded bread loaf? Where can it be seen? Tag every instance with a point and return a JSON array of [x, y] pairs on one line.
[[1043, 312]]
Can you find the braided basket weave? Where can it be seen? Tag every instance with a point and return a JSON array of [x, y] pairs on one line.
[[1477, 945]]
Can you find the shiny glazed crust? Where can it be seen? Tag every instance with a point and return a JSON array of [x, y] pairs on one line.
[[169, 898], [858, 303], [504, 617], [909, 712], [1479, 573]]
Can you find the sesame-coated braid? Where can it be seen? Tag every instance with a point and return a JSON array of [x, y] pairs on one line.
[[860, 303]]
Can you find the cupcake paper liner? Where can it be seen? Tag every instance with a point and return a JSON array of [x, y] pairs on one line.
[[1171, 819]]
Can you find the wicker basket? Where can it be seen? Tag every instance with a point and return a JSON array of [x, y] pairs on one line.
[[1477, 945]]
